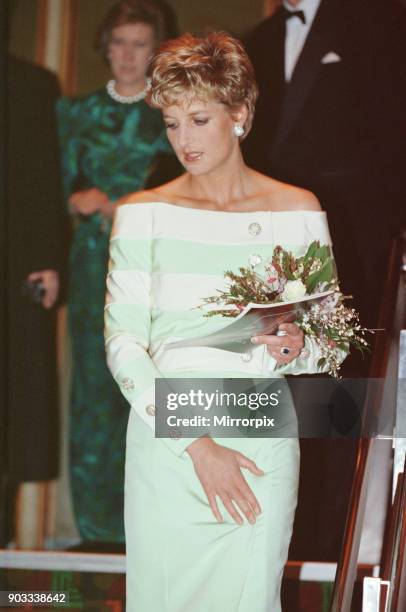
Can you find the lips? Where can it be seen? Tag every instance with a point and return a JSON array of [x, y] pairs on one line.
[[193, 156]]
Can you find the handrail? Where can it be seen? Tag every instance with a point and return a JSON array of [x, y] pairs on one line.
[[347, 565], [397, 589], [395, 549], [390, 533]]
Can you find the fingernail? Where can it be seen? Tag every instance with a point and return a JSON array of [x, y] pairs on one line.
[[254, 340], [252, 520], [239, 521], [257, 510]]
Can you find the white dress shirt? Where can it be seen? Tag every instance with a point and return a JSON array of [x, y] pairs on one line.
[[296, 32]]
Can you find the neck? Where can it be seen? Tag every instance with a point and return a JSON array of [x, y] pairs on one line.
[[125, 89], [224, 185], [294, 3]]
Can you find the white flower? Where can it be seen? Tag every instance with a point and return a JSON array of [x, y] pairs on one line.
[[293, 290], [299, 270], [320, 287], [331, 301], [254, 260], [316, 265]]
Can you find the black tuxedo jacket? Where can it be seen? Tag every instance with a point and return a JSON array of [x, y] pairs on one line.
[[337, 128]]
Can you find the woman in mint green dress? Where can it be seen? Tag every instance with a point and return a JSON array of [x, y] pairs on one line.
[[208, 520], [110, 140]]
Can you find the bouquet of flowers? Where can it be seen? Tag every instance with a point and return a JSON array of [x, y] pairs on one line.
[[334, 326]]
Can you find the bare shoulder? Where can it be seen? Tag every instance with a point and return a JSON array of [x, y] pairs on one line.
[[138, 197], [295, 198], [282, 196], [163, 193]]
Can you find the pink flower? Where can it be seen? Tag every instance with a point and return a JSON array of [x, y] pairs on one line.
[[271, 279], [272, 282]]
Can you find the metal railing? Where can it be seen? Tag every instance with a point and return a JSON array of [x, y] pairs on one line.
[[386, 593]]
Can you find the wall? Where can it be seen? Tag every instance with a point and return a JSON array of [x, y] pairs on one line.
[[23, 23], [196, 16], [236, 16]]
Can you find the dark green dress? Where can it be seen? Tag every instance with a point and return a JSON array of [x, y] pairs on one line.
[[111, 146]]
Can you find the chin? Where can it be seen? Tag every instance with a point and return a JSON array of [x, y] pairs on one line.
[[127, 79], [198, 171]]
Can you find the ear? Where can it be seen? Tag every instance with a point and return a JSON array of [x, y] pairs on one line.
[[240, 114]]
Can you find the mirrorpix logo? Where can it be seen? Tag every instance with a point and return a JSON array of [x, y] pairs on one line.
[[255, 422]]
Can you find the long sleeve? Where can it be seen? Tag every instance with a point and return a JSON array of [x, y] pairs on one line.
[[128, 313], [69, 142], [316, 229]]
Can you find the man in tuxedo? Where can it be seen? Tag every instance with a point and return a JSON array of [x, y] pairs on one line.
[[330, 118]]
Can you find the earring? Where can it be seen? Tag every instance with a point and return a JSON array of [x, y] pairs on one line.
[[238, 130]]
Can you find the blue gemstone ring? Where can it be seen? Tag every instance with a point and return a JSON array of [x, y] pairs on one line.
[[285, 350]]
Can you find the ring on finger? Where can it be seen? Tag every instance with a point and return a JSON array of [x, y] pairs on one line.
[[284, 351], [281, 332]]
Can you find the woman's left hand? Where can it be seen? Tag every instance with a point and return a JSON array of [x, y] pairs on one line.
[[90, 201], [293, 340]]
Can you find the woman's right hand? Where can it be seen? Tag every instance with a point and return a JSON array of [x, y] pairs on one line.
[[219, 471], [89, 201]]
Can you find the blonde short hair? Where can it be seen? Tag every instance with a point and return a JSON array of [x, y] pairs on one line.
[[216, 67]]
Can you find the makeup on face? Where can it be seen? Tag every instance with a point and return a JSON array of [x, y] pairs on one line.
[[200, 133]]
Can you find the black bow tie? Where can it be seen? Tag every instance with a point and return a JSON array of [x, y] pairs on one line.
[[286, 14]]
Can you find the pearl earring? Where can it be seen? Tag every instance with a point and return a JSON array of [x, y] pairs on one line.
[[238, 130]]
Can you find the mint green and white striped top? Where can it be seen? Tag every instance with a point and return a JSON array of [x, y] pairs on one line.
[[163, 260]]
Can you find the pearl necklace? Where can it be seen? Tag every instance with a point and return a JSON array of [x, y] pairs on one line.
[[111, 90]]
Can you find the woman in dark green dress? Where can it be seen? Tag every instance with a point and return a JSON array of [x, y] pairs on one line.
[[110, 140]]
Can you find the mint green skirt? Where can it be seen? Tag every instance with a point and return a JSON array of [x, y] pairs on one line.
[[179, 559]]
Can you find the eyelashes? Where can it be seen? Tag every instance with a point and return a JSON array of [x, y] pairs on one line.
[[198, 122]]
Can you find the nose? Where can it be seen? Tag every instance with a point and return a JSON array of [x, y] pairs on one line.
[[128, 52], [182, 136]]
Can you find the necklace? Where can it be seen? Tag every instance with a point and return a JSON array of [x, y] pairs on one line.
[[111, 90]]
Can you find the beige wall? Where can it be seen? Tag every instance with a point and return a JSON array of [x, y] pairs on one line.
[[23, 23], [92, 72], [196, 16], [235, 16]]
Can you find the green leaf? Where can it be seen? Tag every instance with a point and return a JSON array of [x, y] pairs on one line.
[[325, 274], [323, 253], [310, 253]]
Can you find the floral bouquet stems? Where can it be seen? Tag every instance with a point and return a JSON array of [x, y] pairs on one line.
[[334, 326]]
